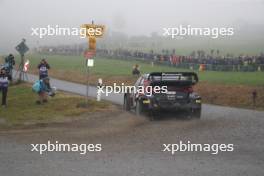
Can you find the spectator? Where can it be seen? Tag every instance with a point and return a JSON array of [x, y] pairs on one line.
[[135, 71], [9, 64], [44, 91], [43, 69], [254, 97], [3, 86]]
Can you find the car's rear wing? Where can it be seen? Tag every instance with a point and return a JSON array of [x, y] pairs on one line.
[[189, 77]]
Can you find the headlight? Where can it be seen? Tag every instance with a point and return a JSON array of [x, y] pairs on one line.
[[194, 95], [198, 101]]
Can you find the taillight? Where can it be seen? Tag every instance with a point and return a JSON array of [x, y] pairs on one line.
[[188, 89], [146, 83]]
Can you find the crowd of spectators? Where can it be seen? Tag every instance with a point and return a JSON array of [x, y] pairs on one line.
[[212, 60], [192, 61], [175, 59]]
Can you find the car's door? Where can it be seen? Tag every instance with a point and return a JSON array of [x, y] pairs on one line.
[[134, 94]]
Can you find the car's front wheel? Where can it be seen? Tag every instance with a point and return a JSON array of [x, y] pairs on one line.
[[196, 113], [139, 108]]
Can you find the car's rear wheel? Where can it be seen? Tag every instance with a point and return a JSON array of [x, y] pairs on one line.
[[126, 104]]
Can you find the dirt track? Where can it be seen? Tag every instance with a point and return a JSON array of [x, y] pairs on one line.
[[132, 146]]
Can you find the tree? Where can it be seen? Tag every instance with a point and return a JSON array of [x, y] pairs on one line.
[[173, 51], [217, 52], [212, 52], [193, 54]]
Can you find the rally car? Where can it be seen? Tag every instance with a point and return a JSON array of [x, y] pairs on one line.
[[179, 94]]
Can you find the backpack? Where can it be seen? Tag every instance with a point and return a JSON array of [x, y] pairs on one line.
[[36, 86]]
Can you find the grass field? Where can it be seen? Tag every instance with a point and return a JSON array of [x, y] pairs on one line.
[[113, 67], [22, 108], [221, 88]]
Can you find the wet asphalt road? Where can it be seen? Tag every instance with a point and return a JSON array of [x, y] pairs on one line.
[[132, 146], [78, 89]]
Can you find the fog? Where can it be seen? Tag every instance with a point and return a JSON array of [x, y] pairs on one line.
[[137, 17]]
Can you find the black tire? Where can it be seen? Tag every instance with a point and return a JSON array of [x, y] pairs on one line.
[[139, 108], [196, 113], [126, 104], [152, 115]]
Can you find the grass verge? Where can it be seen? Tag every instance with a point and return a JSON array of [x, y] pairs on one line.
[[22, 109]]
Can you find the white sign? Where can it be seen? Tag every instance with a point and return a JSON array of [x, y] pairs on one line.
[[90, 62]]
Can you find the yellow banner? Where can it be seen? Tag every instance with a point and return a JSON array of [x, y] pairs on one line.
[[93, 30]]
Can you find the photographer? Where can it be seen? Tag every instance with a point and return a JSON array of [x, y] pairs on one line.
[[3, 86], [42, 87], [9, 64]]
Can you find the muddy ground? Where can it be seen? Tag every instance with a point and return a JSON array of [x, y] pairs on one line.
[[231, 95], [132, 146]]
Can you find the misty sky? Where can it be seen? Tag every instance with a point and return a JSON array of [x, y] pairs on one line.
[[134, 17]]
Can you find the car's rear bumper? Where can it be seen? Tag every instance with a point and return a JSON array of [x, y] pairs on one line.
[[152, 104]]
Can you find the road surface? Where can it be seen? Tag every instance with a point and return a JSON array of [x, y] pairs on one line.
[[78, 89], [133, 146]]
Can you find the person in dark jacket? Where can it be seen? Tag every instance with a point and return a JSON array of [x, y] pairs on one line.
[[3, 86], [135, 70], [9, 63], [254, 97], [10, 59], [43, 69]]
